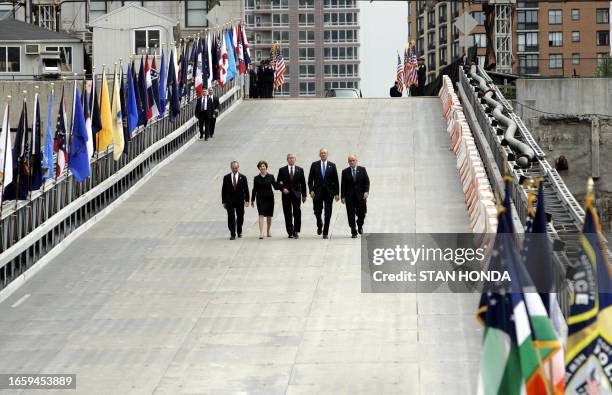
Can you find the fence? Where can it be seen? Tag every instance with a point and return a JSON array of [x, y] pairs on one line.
[[30, 229]]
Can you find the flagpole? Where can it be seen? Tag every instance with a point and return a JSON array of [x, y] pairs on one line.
[[36, 87], [6, 145], [25, 129], [98, 134]]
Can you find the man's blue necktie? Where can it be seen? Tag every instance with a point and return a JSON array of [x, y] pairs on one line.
[[323, 169]]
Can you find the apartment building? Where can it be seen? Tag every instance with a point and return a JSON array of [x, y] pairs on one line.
[[549, 38], [319, 41]]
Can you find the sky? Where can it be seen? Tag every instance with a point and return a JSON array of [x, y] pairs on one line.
[[384, 31]]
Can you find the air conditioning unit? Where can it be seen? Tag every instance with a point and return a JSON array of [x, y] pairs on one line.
[[32, 49]]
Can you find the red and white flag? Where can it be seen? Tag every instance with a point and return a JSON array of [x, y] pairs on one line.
[[223, 61], [199, 81], [153, 111], [400, 74], [240, 49]]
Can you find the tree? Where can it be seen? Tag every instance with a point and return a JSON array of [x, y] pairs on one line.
[[604, 67]]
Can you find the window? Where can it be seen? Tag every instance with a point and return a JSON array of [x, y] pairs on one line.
[[307, 88], [479, 16], [339, 4], [481, 40], [249, 4], [482, 60], [442, 35], [146, 40], [44, 15], [575, 14], [340, 53], [306, 4], [284, 89], [575, 58], [340, 36], [65, 54], [307, 54], [528, 20], [420, 25], [306, 20], [195, 13], [603, 15], [341, 70], [555, 61], [280, 4], [282, 36], [280, 20], [555, 39], [339, 18], [603, 37], [306, 36], [602, 59], [431, 40], [442, 12], [575, 37], [97, 8], [528, 4], [442, 56], [10, 59], [249, 20], [307, 71], [555, 17], [528, 42], [431, 19], [431, 58], [454, 50], [341, 85], [528, 64], [5, 9]]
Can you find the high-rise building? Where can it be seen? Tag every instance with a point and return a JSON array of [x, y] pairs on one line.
[[549, 38], [319, 41]]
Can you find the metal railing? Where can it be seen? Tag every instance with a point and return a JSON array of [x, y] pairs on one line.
[[29, 229]]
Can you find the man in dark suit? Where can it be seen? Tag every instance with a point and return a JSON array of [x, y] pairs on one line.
[[394, 91], [235, 197], [213, 112], [421, 77], [292, 183], [354, 192], [253, 82], [201, 113], [324, 188]]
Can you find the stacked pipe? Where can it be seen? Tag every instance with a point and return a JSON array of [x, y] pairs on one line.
[[476, 187]]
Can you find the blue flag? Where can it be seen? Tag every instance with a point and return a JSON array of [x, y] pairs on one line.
[[78, 161], [162, 86], [173, 94], [144, 98], [132, 105], [231, 60], [48, 163]]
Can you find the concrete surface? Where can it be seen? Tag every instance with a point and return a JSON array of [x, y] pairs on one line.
[[156, 299]]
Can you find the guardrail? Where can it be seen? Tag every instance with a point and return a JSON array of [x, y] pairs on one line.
[[30, 229]]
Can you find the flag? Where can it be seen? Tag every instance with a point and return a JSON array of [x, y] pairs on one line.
[[589, 345], [518, 338], [413, 78], [199, 82], [117, 120], [152, 110], [48, 163], [400, 75], [231, 61], [18, 189], [223, 61], [245, 48], [144, 96], [123, 103], [173, 95], [78, 157], [87, 116], [59, 144], [162, 86], [240, 50], [209, 49], [157, 109], [132, 106], [136, 90], [6, 152], [36, 173], [279, 70], [96, 121], [182, 80], [105, 136]]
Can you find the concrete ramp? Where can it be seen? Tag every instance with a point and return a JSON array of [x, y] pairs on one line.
[[155, 298]]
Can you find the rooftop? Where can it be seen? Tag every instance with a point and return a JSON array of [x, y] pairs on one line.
[[14, 30]]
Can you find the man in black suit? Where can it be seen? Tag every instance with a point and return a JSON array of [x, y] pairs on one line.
[[394, 91], [421, 77], [201, 113], [253, 82], [354, 192], [292, 183], [324, 188], [213, 112], [235, 197]]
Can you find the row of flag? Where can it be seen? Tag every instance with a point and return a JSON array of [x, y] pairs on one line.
[[101, 118], [277, 62], [406, 73], [524, 349]]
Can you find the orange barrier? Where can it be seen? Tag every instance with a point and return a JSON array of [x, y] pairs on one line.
[[477, 191]]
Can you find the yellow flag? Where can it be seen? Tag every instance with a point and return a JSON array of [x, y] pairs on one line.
[[118, 142], [105, 135]]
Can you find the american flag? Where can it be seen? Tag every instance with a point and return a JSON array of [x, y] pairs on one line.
[[400, 75], [279, 71], [412, 76], [59, 145]]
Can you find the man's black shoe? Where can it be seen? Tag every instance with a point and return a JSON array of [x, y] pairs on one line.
[[290, 237], [206, 139], [353, 236], [325, 237], [360, 230], [240, 235], [232, 237], [296, 236], [319, 229]]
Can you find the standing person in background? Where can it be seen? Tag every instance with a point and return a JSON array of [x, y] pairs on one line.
[[253, 82], [292, 183], [324, 188], [201, 113], [422, 77], [354, 193], [213, 112], [394, 91], [235, 197], [263, 185], [261, 81]]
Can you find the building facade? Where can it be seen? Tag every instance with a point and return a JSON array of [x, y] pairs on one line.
[[549, 38], [319, 41]]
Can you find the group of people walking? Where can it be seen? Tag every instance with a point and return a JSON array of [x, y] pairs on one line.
[[207, 111], [261, 81], [323, 187]]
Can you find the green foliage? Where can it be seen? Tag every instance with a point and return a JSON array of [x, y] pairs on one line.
[[604, 67]]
